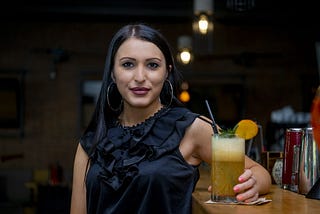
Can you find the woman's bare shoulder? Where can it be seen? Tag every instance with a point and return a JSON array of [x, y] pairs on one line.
[[198, 140], [202, 125]]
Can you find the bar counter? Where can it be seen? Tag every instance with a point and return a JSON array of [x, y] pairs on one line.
[[283, 201]]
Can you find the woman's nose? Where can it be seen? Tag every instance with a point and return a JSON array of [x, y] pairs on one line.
[[140, 74]]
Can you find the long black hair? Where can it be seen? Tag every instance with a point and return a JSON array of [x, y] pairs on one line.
[[103, 114]]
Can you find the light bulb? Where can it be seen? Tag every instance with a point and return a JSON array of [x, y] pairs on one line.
[[203, 24], [185, 56], [184, 96]]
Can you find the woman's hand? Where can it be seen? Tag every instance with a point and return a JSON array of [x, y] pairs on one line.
[[247, 189]]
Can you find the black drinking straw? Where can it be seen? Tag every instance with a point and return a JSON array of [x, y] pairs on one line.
[[214, 125]]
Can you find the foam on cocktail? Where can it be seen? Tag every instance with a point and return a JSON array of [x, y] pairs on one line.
[[228, 149]]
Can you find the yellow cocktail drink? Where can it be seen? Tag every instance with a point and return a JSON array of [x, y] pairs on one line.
[[228, 154]]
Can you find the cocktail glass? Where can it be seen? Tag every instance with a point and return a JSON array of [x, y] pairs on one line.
[[228, 155]]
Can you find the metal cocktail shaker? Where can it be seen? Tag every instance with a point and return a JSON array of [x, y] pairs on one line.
[[309, 162]]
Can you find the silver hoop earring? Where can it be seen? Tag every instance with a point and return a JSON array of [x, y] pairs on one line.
[[170, 91], [110, 87]]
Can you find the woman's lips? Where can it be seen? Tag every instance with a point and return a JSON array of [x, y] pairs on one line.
[[139, 90]]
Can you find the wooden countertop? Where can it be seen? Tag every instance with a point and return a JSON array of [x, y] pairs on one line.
[[283, 201]]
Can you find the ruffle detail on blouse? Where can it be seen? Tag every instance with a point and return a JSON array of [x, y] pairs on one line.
[[120, 153]]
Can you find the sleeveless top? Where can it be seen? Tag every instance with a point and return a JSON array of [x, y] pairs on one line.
[[140, 169]]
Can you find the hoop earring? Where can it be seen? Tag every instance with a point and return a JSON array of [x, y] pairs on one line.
[[170, 91], [111, 85]]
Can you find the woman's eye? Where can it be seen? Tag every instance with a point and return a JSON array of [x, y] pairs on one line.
[[153, 65], [127, 64]]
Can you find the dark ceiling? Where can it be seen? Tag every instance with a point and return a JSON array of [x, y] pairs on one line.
[[264, 12]]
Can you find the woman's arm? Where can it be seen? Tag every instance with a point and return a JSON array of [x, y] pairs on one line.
[[78, 198]]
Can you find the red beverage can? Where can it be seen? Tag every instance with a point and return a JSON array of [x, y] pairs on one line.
[[292, 144]]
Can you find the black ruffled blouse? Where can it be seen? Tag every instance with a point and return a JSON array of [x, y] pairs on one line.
[[140, 169]]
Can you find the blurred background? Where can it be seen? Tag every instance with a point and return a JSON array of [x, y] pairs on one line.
[[257, 59]]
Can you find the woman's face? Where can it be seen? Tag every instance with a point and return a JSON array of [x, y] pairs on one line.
[[139, 72]]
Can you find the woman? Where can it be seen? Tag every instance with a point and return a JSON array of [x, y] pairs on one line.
[[141, 150]]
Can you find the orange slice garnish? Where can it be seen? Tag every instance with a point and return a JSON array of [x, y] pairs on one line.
[[246, 129]]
